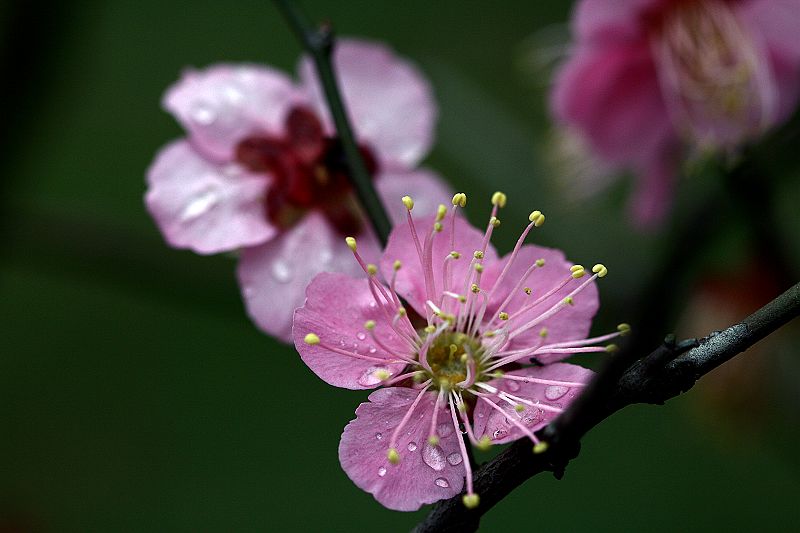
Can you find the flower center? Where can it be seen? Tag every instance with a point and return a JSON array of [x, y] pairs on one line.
[[449, 356], [309, 171]]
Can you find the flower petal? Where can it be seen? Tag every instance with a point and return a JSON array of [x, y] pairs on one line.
[[654, 191], [221, 105], [411, 277], [489, 421], [570, 323], [425, 186], [336, 308], [390, 102], [425, 473], [273, 277], [206, 207], [609, 20]]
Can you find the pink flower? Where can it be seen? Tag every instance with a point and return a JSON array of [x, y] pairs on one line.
[[261, 169], [648, 78], [458, 356]]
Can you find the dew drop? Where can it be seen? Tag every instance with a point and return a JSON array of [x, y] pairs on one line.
[[281, 271], [554, 392], [499, 434], [202, 114], [381, 472], [412, 446], [442, 482], [372, 349], [433, 456], [361, 335], [368, 378], [454, 458], [513, 386], [373, 305], [199, 205], [378, 436]]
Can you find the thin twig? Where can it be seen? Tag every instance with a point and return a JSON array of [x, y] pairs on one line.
[[318, 41], [669, 370]]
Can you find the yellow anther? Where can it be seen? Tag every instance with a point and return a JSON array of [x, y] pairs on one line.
[[444, 383], [479, 267], [471, 501], [460, 199], [499, 374], [519, 408], [540, 447], [600, 270], [433, 440], [474, 288], [369, 325], [430, 329], [419, 377], [489, 334], [494, 221], [351, 243], [478, 254], [543, 333], [503, 315], [441, 211], [397, 265], [372, 269], [540, 263], [401, 311], [575, 268], [408, 202], [462, 299], [393, 456], [484, 443], [455, 255], [382, 374], [499, 199], [527, 290], [624, 329], [577, 271], [311, 339], [437, 227], [569, 301], [537, 217], [464, 357], [612, 348]]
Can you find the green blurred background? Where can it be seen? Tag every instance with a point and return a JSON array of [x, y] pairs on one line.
[[135, 395]]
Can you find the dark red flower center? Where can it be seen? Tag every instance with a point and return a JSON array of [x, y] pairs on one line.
[[309, 171]]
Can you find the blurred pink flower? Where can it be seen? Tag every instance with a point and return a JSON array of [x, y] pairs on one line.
[[456, 357], [648, 78], [261, 170]]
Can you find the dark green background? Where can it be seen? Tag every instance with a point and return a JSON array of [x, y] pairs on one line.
[[135, 395]]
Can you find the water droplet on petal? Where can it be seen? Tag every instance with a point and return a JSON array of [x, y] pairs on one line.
[[499, 434], [412, 446], [378, 436], [369, 377], [199, 205], [202, 113], [233, 94], [281, 271], [373, 304], [454, 458], [361, 335], [513, 386], [381, 471], [554, 392], [433, 456], [372, 349], [442, 482]]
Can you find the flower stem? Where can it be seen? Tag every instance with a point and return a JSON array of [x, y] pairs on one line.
[[318, 41]]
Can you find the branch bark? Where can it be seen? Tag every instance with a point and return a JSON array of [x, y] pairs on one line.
[[318, 41], [669, 370]]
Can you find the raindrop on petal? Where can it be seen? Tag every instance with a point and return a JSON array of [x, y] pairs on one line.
[[378, 436], [513, 386], [433, 456], [368, 378], [554, 392], [199, 205], [412, 446], [454, 458], [202, 113], [361, 335], [281, 271], [442, 482], [381, 471]]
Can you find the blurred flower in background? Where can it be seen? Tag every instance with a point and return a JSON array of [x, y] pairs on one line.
[[649, 82], [261, 169]]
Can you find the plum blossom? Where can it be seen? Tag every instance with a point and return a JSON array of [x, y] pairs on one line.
[[457, 360], [262, 172], [649, 79]]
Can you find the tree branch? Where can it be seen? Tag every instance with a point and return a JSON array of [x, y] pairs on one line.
[[669, 370], [318, 41]]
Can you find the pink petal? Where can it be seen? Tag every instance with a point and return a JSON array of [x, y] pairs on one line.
[[222, 104], [206, 207], [425, 474], [425, 186], [571, 323], [273, 277], [654, 190], [491, 422], [604, 20], [336, 308], [390, 102], [411, 278], [612, 96]]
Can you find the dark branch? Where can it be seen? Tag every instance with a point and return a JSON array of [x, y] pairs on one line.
[[669, 370], [318, 41]]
